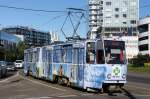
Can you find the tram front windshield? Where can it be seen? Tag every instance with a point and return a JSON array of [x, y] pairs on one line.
[[114, 52]]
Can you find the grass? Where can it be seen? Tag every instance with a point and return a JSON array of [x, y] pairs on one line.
[[139, 69]]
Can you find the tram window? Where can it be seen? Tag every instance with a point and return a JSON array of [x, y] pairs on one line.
[[37, 54], [57, 53], [34, 57], [90, 54], [67, 54], [57, 56], [44, 55], [100, 57], [81, 56], [100, 53], [115, 52], [49, 56], [64, 55]]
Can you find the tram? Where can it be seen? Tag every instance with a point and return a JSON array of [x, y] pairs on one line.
[[87, 64]]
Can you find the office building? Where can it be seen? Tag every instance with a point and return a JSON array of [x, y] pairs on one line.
[[32, 37], [8, 42], [144, 36], [113, 17]]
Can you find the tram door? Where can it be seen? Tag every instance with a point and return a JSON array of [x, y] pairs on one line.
[[74, 66], [50, 64], [77, 67]]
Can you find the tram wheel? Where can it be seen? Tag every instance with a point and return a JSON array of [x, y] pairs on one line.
[[59, 80], [105, 88], [68, 83]]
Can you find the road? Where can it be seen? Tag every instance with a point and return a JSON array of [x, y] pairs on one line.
[[18, 86]]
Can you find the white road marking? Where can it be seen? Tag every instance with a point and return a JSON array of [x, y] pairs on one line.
[[56, 94], [39, 98], [6, 86], [65, 96], [142, 95], [87, 94], [43, 84], [7, 79]]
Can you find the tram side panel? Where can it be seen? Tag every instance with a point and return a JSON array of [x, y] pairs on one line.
[[94, 76]]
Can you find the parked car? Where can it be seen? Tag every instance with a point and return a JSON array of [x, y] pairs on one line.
[[3, 69], [11, 66], [19, 64]]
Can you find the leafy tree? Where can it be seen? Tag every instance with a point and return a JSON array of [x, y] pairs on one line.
[[140, 60], [13, 54], [20, 50]]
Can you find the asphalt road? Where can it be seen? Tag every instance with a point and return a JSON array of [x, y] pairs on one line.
[[17, 86]]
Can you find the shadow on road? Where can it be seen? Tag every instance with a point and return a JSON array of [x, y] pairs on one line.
[[114, 92], [127, 93], [9, 74]]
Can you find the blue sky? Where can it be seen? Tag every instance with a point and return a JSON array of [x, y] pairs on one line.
[[145, 10], [43, 21]]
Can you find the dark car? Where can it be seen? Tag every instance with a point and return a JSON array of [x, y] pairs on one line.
[[3, 69], [11, 66]]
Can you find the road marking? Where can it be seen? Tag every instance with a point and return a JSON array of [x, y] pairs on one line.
[[87, 94], [142, 95], [39, 98], [10, 78], [8, 85], [65, 96], [42, 84]]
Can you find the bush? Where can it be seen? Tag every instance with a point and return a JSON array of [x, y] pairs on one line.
[[147, 64], [140, 60]]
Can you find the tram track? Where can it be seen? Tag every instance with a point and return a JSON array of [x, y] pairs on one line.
[[28, 86]]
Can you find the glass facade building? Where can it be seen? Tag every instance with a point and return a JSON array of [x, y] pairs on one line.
[[32, 37], [8, 41]]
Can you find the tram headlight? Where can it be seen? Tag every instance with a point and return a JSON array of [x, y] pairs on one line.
[[124, 76], [109, 76]]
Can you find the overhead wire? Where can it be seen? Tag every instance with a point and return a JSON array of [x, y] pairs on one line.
[[28, 9], [51, 20], [50, 11]]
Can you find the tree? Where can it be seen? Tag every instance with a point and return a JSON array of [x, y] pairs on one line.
[[16, 53], [20, 50], [140, 60]]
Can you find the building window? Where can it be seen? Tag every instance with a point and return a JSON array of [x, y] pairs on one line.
[[107, 29], [117, 16], [101, 2], [143, 38], [133, 21], [124, 22], [124, 15], [101, 8], [101, 14], [143, 28], [143, 47], [108, 3], [116, 9]]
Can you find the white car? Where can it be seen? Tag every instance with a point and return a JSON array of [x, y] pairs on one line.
[[18, 64], [3, 69]]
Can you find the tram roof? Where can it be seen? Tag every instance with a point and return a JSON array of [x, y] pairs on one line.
[[71, 42]]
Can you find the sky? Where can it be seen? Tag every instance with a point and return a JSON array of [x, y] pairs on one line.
[[48, 21]]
